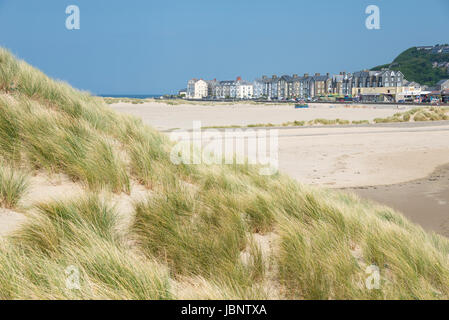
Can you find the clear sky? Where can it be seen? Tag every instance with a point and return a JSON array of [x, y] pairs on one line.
[[137, 46]]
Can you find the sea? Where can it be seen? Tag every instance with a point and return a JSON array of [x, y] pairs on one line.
[[134, 96]]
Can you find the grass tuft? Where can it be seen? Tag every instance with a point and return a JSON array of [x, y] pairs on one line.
[[14, 184]]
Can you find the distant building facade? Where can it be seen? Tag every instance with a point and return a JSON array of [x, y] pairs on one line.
[[341, 84], [226, 89], [182, 93], [211, 87], [377, 79], [444, 48], [443, 85], [258, 88], [364, 84], [244, 89], [197, 89]]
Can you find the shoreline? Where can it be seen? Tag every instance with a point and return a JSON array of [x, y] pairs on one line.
[[424, 201], [149, 99]]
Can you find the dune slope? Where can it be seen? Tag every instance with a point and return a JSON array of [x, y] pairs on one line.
[[203, 232]]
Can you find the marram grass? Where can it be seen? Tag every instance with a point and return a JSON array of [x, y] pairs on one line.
[[14, 184], [200, 232]]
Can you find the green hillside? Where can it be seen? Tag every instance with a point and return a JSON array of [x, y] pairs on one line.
[[417, 66]]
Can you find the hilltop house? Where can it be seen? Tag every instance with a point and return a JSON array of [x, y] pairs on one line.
[[435, 49], [440, 49], [425, 48]]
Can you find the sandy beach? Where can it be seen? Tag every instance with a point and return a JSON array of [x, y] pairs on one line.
[[375, 161], [362, 156], [341, 156], [165, 117]]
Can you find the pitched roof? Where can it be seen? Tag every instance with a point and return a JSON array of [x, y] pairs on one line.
[[243, 82], [412, 84], [268, 80], [286, 78], [320, 78], [338, 77], [227, 82], [362, 74]]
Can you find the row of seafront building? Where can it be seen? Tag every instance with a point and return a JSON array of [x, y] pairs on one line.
[[381, 86]]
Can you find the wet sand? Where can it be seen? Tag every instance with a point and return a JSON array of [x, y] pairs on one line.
[[374, 161], [424, 201]]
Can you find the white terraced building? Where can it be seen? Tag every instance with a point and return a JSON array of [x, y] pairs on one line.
[[244, 90], [197, 89]]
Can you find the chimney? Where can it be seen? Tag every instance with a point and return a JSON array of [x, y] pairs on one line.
[[239, 78], [295, 76], [274, 76], [317, 74], [306, 75], [264, 77], [327, 74]]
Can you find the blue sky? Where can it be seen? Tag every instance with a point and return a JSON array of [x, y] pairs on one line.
[[137, 46]]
